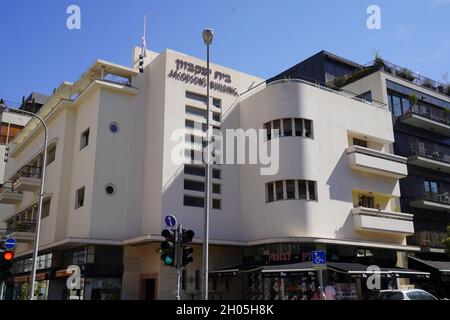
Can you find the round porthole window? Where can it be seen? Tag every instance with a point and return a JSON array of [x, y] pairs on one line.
[[114, 127], [110, 189]]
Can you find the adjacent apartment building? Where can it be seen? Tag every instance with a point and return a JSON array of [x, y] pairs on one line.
[[111, 179], [420, 108]]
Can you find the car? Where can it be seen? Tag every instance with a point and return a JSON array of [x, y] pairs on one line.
[[413, 294]]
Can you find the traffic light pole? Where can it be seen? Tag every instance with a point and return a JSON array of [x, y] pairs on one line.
[[179, 258]]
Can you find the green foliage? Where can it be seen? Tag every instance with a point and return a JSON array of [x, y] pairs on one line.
[[446, 242], [378, 61]]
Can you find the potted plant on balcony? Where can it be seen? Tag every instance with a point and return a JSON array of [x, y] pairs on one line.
[[427, 83], [378, 62], [413, 101], [406, 74]]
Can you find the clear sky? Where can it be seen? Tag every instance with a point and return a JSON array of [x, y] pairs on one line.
[[260, 37]]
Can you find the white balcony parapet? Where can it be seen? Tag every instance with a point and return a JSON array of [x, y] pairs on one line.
[[376, 220], [377, 162]]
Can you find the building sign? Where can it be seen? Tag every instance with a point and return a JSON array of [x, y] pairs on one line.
[[195, 74]]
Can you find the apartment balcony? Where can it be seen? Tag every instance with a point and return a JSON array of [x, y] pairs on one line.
[[22, 231], [427, 118], [376, 162], [377, 220], [426, 155], [28, 179], [9, 195], [384, 221], [429, 239], [436, 201]]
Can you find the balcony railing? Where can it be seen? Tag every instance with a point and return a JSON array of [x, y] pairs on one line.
[[394, 70], [8, 188], [29, 172], [430, 112], [425, 149], [429, 238], [21, 226]]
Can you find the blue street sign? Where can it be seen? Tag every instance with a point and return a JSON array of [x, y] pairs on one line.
[[10, 243], [171, 221], [319, 258]]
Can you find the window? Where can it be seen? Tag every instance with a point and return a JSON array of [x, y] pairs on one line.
[[268, 127], [279, 190], [276, 127], [194, 185], [194, 201], [45, 209], [217, 204], [51, 155], [84, 139], [114, 127], [216, 116], [110, 189], [430, 187], [216, 173], [217, 188], [308, 128], [196, 97], [270, 197], [359, 142], [302, 189], [287, 127], [312, 190], [79, 198], [290, 189], [217, 103], [366, 201], [298, 127], [195, 111], [194, 170]]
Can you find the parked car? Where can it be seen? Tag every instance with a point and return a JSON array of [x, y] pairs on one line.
[[414, 294]]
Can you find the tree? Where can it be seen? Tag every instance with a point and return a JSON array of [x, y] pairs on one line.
[[446, 242]]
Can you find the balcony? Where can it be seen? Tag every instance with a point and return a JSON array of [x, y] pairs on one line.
[[436, 201], [427, 118], [9, 195], [426, 154], [376, 162], [377, 220], [22, 231], [28, 179], [429, 239]]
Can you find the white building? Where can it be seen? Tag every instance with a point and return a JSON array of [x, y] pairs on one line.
[[111, 180]]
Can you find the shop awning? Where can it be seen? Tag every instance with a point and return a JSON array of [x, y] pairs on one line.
[[361, 270], [441, 266], [294, 267], [225, 271]]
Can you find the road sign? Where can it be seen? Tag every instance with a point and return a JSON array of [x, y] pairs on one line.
[[171, 221], [319, 259], [10, 243]]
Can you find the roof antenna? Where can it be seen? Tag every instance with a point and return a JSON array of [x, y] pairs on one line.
[[144, 47]]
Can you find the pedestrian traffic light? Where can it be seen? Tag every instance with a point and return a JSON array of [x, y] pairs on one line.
[[168, 248], [187, 237], [6, 263]]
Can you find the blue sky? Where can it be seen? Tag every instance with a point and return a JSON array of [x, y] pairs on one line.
[[261, 37]]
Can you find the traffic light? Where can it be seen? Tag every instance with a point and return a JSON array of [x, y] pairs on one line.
[[168, 248], [141, 63], [187, 237], [6, 263]]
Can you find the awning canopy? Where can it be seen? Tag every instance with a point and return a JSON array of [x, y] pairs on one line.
[[294, 267], [361, 270], [441, 266]]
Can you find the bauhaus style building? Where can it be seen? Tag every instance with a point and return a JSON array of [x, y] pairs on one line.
[[111, 179]]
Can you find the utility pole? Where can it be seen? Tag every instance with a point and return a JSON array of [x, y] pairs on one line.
[[179, 257]]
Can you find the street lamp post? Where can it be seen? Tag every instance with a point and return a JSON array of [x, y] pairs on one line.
[[41, 198], [208, 36]]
